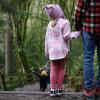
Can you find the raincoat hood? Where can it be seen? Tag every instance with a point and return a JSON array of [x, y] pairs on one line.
[[54, 11]]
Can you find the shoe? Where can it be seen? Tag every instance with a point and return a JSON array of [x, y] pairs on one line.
[[88, 94], [59, 92], [97, 93], [52, 92]]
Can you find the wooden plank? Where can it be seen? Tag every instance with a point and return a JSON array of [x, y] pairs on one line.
[[25, 95]]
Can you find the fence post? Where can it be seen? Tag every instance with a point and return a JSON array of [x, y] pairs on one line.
[[3, 81]]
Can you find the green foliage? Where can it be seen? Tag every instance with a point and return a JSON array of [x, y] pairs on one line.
[[75, 68]]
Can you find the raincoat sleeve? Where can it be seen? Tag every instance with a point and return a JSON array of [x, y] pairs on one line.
[[67, 34], [66, 30]]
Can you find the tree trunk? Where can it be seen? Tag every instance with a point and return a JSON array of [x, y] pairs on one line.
[[9, 68]]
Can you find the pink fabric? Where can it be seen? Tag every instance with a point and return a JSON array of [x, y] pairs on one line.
[[57, 74], [56, 40]]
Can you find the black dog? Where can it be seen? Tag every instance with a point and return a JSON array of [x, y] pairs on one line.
[[43, 75]]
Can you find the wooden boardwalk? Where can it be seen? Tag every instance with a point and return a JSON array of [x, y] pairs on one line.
[[32, 92], [26, 95]]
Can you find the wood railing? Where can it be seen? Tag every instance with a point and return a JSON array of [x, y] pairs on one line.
[[8, 82]]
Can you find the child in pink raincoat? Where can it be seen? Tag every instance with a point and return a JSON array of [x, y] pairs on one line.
[[58, 34]]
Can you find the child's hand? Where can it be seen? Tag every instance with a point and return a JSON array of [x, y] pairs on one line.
[[73, 38], [75, 35]]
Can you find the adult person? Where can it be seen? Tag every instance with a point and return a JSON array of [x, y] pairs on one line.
[[87, 20]]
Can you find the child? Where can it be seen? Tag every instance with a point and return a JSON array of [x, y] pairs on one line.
[[58, 34]]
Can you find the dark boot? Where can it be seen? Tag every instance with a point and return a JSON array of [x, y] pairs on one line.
[[88, 94], [97, 93]]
